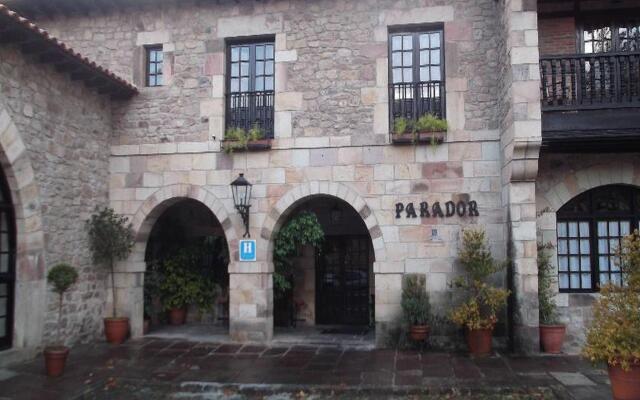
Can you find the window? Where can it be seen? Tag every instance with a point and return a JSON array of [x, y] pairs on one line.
[[250, 86], [154, 66], [416, 73], [604, 36], [589, 231]]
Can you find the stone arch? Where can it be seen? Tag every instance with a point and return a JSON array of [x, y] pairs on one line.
[[576, 182], [303, 192], [30, 285], [132, 269]]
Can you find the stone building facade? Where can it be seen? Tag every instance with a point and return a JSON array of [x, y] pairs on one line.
[[331, 141]]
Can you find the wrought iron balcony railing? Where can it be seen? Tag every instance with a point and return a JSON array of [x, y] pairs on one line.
[[590, 81], [249, 109], [413, 100]]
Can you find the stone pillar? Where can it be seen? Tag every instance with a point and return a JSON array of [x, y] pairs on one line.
[[520, 141], [251, 301], [388, 294], [130, 299]]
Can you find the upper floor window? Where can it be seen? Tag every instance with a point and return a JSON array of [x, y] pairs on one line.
[[604, 36], [589, 231], [250, 86], [154, 62], [416, 73]]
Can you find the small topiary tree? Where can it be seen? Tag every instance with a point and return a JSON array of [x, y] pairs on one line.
[[110, 239], [415, 300], [546, 293], [483, 301], [61, 277]]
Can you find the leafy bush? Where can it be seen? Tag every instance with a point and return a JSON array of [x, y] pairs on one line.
[[238, 138], [110, 239], [301, 230], [483, 301], [614, 335], [402, 125], [546, 292], [415, 300], [61, 276], [431, 123], [181, 284]]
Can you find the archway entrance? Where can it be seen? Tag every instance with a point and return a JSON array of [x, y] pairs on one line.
[[332, 291], [7, 264], [187, 248]]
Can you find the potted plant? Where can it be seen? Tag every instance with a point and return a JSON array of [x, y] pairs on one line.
[[551, 331], [60, 277], [614, 335], [415, 306], [180, 286], [110, 240], [426, 129], [239, 139], [478, 313]]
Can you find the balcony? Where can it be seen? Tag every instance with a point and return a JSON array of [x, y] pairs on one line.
[[247, 110], [410, 101], [590, 102]]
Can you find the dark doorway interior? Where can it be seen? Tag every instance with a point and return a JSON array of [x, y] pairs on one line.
[[342, 281], [7, 264]]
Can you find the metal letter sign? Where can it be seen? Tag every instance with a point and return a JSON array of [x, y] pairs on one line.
[[247, 250]]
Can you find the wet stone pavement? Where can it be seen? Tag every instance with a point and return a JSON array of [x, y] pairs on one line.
[[175, 369]]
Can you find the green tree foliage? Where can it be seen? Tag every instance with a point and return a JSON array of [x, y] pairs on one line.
[[483, 301], [614, 335], [61, 277], [546, 292], [180, 282], [110, 240], [415, 305], [301, 230]]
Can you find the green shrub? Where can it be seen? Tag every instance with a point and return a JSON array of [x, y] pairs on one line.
[[239, 139], [546, 292], [614, 335], [61, 277], [110, 239], [415, 300], [483, 301], [401, 126], [431, 123]]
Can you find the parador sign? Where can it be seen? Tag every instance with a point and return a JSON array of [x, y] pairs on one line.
[[461, 209]]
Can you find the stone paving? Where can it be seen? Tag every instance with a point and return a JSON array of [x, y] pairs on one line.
[[172, 369]]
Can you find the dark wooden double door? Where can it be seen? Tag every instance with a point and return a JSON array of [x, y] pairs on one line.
[[342, 281]]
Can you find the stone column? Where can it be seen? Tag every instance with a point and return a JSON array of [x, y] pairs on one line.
[[388, 293], [520, 141], [251, 301]]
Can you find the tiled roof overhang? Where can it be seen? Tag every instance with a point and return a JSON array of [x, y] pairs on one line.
[[46, 49]]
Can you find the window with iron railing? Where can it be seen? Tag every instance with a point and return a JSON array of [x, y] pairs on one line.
[[416, 73], [250, 86]]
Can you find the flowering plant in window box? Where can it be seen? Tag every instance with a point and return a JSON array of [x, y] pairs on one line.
[[614, 335], [239, 139], [426, 129]]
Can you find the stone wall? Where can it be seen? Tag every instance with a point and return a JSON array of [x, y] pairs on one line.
[[331, 133], [561, 178], [65, 129]]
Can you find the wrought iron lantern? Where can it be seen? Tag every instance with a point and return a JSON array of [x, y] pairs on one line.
[[241, 190]]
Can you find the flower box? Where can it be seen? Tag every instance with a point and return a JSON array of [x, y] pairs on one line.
[[436, 137], [253, 145]]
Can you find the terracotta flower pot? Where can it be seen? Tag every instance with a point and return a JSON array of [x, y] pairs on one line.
[[419, 333], [116, 329], [552, 337], [146, 326], [625, 385], [177, 316], [479, 341], [55, 358]]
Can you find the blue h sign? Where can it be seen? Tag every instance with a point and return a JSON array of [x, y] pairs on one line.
[[247, 250]]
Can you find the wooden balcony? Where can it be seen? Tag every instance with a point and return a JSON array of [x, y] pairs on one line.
[[591, 102]]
